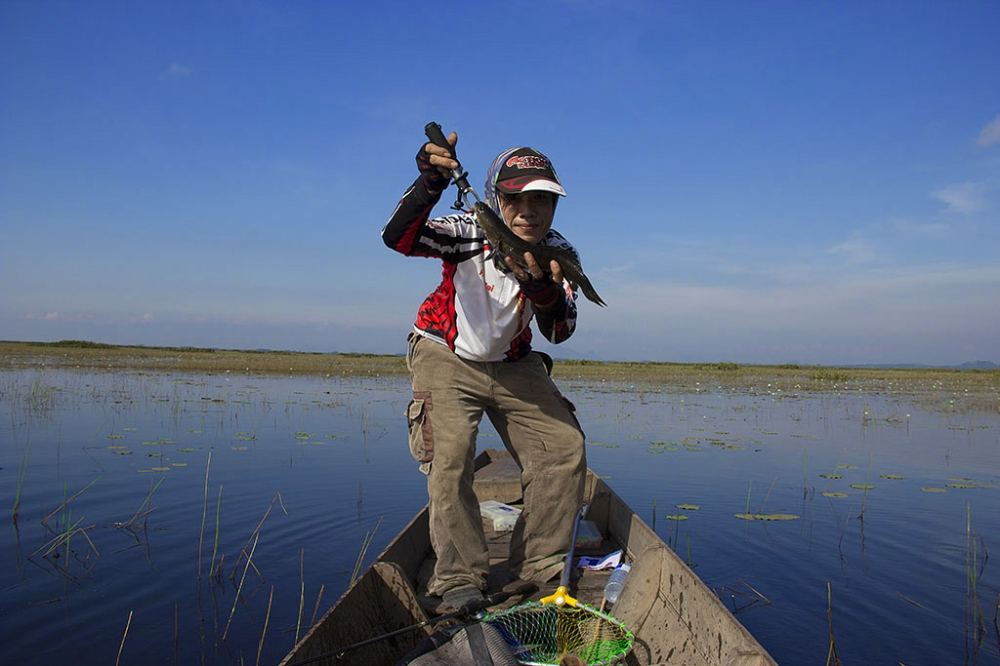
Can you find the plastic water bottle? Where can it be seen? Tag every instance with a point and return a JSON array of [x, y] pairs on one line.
[[616, 581]]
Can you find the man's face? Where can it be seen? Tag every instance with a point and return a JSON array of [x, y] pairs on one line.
[[528, 214]]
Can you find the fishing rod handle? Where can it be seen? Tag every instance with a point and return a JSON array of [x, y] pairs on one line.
[[437, 137], [458, 176]]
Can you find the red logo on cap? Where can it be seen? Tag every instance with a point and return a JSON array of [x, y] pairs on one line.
[[527, 162]]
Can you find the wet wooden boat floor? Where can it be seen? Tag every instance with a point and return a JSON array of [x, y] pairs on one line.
[[585, 585]]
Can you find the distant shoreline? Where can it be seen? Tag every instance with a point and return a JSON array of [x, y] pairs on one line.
[[96, 355]]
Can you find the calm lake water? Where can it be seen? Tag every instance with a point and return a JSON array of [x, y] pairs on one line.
[[119, 460]]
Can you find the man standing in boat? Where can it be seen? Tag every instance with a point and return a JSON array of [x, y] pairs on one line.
[[470, 353]]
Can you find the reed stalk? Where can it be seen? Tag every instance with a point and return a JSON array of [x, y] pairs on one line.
[[204, 510], [263, 632], [366, 541], [121, 646], [302, 592], [240, 588], [832, 657], [215, 544], [319, 597], [22, 469], [975, 622], [142, 511], [66, 501]]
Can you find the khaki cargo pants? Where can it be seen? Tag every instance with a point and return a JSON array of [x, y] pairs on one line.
[[539, 428]]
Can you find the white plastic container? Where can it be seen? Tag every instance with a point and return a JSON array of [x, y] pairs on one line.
[[616, 581], [503, 515]]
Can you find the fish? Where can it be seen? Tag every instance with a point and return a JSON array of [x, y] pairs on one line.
[[506, 243]]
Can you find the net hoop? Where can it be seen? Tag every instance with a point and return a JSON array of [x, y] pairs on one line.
[[542, 634]]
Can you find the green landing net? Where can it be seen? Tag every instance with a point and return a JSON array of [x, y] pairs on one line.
[[543, 633]]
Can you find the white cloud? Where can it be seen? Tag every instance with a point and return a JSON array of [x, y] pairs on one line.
[[175, 71], [855, 250], [991, 133], [963, 198]]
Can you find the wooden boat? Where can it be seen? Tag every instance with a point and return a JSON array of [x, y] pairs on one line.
[[675, 617]]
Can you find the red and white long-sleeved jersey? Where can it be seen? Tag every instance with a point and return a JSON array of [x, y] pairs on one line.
[[478, 310]]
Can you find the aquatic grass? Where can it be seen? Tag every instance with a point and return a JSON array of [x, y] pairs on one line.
[[832, 657], [239, 588], [121, 646], [215, 543], [144, 509], [66, 502], [366, 541], [263, 632], [254, 534], [319, 598], [302, 593], [204, 511], [21, 470], [975, 624]]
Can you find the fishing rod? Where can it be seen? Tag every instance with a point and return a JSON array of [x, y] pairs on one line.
[[467, 609]]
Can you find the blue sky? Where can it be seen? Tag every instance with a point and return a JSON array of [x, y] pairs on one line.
[[748, 181]]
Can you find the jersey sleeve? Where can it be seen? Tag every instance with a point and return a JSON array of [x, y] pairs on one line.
[[411, 231]]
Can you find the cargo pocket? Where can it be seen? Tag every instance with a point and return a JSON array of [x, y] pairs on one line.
[[419, 423], [572, 412]]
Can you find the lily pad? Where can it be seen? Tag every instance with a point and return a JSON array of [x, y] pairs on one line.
[[847, 466], [933, 489], [676, 516], [605, 445], [834, 494], [766, 516], [962, 484], [891, 477], [185, 449], [863, 486], [831, 476], [688, 507]]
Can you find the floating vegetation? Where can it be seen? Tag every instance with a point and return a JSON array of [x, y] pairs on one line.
[[933, 489], [116, 436], [725, 446], [830, 475], [185, 449], [120, 450], [676, 516], [181, 464], [302, 435], [892, 477], [159, 469], [834, 494], [245, 436], [688, 507], [766, 516], [605, 445], [863, 486], [963, 484], [847, 467], [660, 447]]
